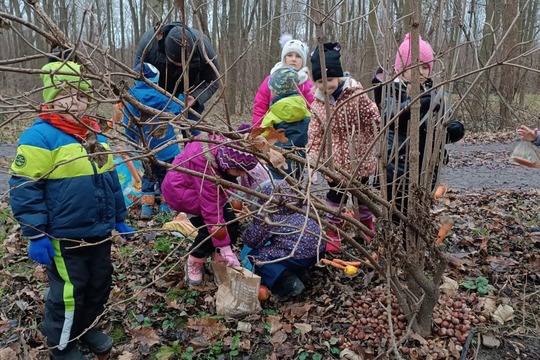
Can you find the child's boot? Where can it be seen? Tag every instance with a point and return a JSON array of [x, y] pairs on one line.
[[287, 285], [334, 239], [366, 218], [194, 270], [70, 354], [163, 207], [147, 206], [98, 343]]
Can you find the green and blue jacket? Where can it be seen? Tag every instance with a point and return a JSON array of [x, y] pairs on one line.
[[56, 190]]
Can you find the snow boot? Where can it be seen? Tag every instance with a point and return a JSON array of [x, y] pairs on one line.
[[194, 270], [147, 206], [163, 207], [287, 285], [98, 342], [69, 354]]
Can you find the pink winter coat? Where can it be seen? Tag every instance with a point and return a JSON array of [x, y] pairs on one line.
[[355, 124], [261, 104], [195, 195]]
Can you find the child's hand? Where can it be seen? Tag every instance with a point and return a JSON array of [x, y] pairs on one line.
[[124, 230], [227, 253], [527, 134], [41, 251]]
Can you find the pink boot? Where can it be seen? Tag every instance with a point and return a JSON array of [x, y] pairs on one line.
[[334, 241], [194, 270], [369, 224]]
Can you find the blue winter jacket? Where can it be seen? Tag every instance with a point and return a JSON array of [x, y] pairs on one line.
[[156, 100], [56, 190]]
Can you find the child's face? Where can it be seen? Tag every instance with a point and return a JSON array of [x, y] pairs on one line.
[[236, 173], [294, 60], [424, 73], [331, 86], [72, 101]]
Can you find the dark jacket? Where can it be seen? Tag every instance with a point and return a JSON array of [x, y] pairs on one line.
[[57, 190], [396, 100], [202, 77]]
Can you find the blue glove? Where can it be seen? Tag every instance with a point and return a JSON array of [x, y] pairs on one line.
[[124, 230], [41, 251]]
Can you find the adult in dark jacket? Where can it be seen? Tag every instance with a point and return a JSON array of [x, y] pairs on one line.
[[397, 100], [162, 47]]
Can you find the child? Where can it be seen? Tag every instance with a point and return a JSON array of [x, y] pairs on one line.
[[287, 235], [148, 135], [397, 99], [61, 197], [294, 53], [354, 121], [288, 111], [206, 200], [528, 134]]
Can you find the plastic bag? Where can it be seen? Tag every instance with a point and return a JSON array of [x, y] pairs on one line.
[[526, 154], [238, 291]]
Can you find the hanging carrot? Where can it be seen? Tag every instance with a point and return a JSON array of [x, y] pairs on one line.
[[444, 230], [440, 191]]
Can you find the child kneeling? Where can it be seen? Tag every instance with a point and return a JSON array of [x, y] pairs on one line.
[[281, 233]]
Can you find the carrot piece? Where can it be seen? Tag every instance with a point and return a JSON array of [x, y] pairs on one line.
[[334, 264], [345, 263], [440, 191], [444, 230]]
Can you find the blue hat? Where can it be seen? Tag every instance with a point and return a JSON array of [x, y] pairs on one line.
[[149, 71]]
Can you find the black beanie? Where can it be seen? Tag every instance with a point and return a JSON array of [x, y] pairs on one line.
[[174, 44], [333, 64]]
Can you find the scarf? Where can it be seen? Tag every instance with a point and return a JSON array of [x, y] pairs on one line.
[[69, 126], [87, 138]]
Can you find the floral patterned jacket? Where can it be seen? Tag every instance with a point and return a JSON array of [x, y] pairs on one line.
[[355, 123]]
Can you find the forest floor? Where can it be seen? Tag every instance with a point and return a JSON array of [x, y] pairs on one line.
[[493, 255]]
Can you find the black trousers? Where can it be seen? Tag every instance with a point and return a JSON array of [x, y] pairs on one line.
[[206, 247], [80, 282]]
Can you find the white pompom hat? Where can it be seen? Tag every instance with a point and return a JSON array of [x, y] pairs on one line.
[[296, 46]]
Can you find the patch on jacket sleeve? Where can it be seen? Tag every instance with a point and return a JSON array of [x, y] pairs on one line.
[[20, 161]]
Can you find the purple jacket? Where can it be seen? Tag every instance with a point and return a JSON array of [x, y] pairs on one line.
[[194, 195], [261, 104], [288, 229]]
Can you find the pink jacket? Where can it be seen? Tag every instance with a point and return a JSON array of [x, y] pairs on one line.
[[261, 104], [195, 195]]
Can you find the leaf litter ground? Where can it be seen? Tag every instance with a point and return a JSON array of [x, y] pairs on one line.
[[152, 314]]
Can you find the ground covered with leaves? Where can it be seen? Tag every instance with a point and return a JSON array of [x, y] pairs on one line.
[[490, 307]]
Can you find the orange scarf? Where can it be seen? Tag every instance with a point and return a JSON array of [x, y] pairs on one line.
[[71, 127]]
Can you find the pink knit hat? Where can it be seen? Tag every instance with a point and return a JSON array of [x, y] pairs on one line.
[[404, 58]]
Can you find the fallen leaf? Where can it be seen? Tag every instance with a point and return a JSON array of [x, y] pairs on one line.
[[275, 323], [490, 341], [278, 338], [144, 335], [244, 326], [449, 286], [348, 354], [503, 314], [304, 328]]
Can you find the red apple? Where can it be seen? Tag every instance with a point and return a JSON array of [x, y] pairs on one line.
[[218, 232], [264, 294]]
